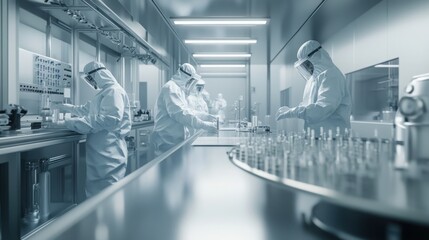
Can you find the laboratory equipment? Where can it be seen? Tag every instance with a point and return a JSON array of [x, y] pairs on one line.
[[305, 152], [4, 122], [374, 92], [43, 81], [45, 188], [31, 214], [14, 113], [45, 106], [412, 124], [240, 99], [254, 121]]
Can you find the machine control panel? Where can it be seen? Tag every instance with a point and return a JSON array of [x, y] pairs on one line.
[[41, 76]]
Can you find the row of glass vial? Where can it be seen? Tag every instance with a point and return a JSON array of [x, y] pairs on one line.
[[303, 149]]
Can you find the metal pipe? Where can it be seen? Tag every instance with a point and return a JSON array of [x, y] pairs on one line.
[[101, 8], [76, 82], [97, 48], [171, 29], [48, 37]]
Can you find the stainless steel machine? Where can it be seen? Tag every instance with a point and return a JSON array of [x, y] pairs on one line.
[[412, 124]]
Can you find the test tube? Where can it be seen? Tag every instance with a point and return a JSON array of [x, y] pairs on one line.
[[55, 115], [254, 121]]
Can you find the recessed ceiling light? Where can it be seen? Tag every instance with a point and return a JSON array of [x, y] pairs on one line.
[[222, 55], [386, 66], [220, 41], [224, 74], [219, 21], [222, 65]]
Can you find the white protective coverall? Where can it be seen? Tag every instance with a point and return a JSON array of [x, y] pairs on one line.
[[106, 120], [326, 100], [196, 100], [219, 105], [173, 116]]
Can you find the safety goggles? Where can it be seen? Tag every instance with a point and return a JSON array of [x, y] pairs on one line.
[[199, 88], [304, 67], [89, 79], [193, 79]]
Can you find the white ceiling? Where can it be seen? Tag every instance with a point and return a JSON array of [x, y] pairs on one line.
[[285, 17]]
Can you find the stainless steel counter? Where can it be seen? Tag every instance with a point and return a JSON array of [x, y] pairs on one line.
[[12, 146], [18, 140], [194, 192], [26, 139]]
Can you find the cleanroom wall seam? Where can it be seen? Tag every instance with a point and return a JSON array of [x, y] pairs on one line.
[[299, 29], [172, 30]]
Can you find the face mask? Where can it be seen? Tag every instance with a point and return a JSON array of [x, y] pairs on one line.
[[190, 85], [89, 79], [304, 67], [200, 89]]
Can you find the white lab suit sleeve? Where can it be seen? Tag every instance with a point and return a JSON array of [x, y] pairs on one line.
[[177, 108], [204, 115], [111, 111], [76, 110], [329, 97], [80, 110]]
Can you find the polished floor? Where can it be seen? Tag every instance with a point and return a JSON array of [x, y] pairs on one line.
[[197, 193]]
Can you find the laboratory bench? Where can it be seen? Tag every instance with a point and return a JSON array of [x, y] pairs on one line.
[[21, 152], [197, 190]]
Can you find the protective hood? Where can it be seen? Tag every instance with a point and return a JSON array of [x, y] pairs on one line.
[[311, 55], [206, 96], [102, 77], [186, 77], [200, 86]]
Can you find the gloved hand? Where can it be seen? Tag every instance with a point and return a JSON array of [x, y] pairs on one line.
[[210, 126], [282, 113], [205, 116], [59, 124]]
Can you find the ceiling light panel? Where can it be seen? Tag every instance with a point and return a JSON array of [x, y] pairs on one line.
[[386, 66], [222, 65], [219, 21], [221, 41], [236, 74], [222, 55]]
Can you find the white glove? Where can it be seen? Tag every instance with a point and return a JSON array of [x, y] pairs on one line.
[[59, 124], [283, 112]]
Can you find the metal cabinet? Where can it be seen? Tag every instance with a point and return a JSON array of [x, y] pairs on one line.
[[144, 146], [48, 184], [132, 156], [37, 179], [139, 148]]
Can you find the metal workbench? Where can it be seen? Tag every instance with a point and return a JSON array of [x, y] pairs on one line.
[[12, 143], [195, 192]]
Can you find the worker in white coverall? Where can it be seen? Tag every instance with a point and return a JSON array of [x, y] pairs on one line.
[[105, 120], [173, 116]]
